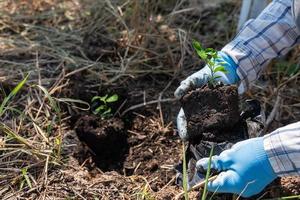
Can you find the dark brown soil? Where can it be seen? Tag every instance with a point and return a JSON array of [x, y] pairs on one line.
[[211, 111], [141, 147], [105, 138]]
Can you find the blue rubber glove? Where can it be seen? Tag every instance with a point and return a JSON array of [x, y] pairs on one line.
[[200, 78], [245, 167]]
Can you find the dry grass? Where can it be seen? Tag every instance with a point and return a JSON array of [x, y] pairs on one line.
[[278, 92], [108, 43], [53, 40]]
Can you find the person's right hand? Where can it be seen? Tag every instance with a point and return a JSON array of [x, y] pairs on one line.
[[199, 79], [244, 169]]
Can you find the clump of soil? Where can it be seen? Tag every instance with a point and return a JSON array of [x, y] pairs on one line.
[[105, 138], [211, 110]]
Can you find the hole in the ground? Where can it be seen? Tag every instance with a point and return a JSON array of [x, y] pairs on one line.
[[106, 139]]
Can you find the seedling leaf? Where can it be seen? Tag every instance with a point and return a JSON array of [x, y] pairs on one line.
[[95, 98], [25, 176], [220, 69], [106, 112], [197, 45], [104, 98], [112, 98], [99, 109], [209, 56]]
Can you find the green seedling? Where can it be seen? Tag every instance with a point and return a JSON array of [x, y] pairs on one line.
[[25, 178], [204, 194], [198, 185], [104, 110], [209, 56]]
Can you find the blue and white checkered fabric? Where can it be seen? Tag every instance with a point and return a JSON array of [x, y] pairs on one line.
[[283, 149], [272, 34]]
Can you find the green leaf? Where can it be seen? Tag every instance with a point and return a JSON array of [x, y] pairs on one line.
[[106, 113], [26, 177], [104, 98], [19, 86], [12, 94], [197, 45], [202, 55], [200, 51], [22, 184], [100, 109], [112, 98], [96, 98], [212, 53], [220, 69]]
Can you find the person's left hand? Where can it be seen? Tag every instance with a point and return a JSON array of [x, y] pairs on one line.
[[245, 169], [199, 79]]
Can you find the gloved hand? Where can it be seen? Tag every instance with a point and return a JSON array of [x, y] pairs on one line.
[[201, 78], [245, 167]]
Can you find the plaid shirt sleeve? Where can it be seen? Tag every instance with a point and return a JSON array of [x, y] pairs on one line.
[[272, 34], [283, 149]]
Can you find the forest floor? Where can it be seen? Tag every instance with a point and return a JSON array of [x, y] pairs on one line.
[[74, 50]]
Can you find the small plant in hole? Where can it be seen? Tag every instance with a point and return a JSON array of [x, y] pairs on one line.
[[103, 109], [209, 56]]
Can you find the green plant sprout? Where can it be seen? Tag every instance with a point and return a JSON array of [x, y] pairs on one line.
[[25, 178], [209, 56], [104, 110], [204, 194], [197, 186]]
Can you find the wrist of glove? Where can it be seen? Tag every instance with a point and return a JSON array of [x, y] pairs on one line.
[[244, 169], [200, 78]]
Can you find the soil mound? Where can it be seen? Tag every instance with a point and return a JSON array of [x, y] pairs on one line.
[[211, 110], [105, 138]]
